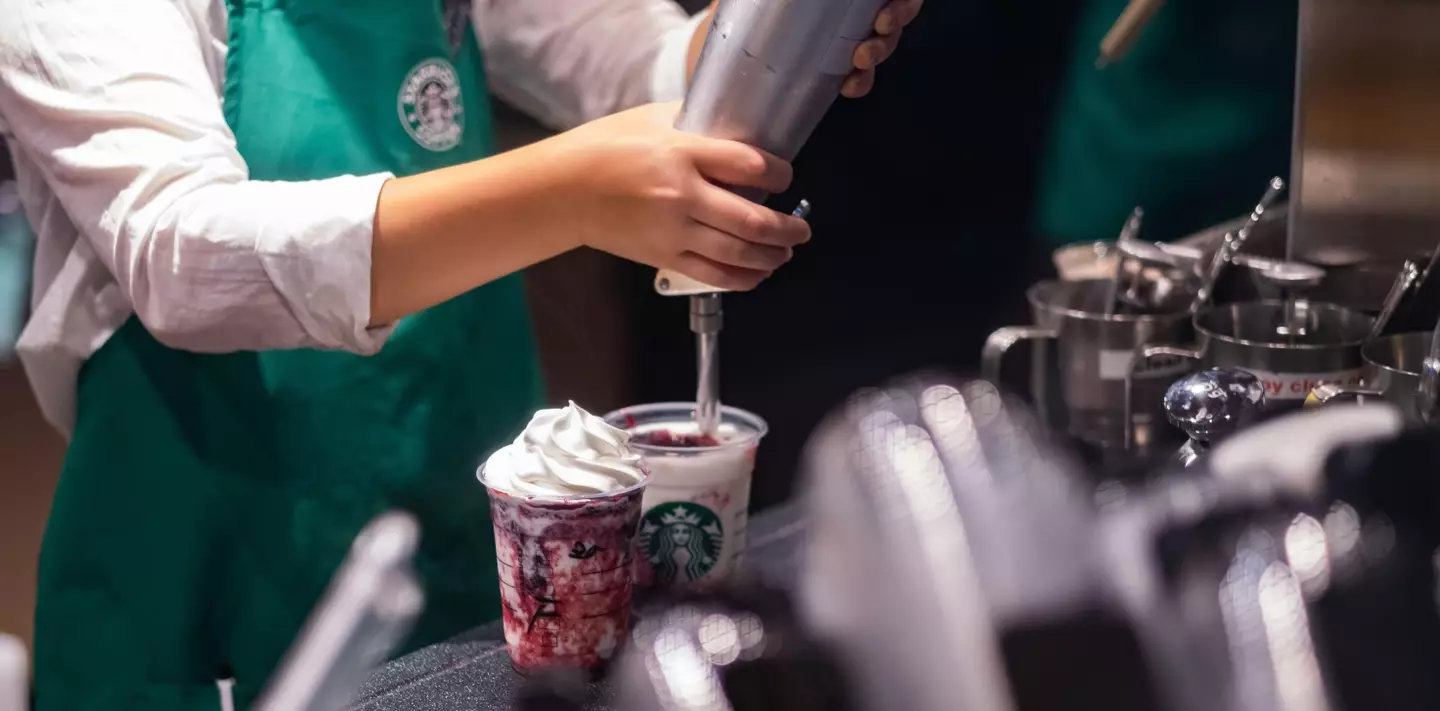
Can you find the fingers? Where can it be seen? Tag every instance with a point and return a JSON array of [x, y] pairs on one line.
[[732, 251], [858, 84], [736, 164], [714, 273], [875, 50], [896, 15], [735, 216]]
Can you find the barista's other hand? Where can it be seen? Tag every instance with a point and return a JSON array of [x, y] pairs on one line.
[[888, 24], [646, 192]]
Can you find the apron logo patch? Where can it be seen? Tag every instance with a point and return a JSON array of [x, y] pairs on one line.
[[430, 105]]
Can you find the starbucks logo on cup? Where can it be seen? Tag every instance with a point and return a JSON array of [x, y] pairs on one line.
[[431, 108], [681, 540]]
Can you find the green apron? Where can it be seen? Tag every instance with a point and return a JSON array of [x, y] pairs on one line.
[[1190, 125], [206, 499]]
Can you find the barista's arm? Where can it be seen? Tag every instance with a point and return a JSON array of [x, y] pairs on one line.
[[114, 105]]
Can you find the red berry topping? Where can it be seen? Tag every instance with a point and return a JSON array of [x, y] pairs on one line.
[[666, 438]]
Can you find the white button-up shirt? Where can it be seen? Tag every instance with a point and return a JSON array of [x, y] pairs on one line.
[[142, 204]]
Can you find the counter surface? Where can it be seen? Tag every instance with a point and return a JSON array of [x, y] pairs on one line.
[[473, 673]]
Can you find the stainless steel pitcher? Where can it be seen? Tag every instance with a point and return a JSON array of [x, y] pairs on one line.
[[1092, 356]]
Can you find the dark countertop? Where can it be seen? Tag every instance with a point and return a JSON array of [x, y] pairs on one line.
[[473, 673]]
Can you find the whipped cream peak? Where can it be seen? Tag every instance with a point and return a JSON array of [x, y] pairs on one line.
[[565, 452]]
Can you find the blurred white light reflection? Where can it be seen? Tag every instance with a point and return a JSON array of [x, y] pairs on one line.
[[720, 638], [1292, 653], [1307, 551], [689, 680]]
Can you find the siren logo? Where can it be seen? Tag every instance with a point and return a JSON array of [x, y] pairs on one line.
[[430, 105], [682, 541]]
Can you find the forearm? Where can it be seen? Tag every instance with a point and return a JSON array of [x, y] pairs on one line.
[[442, 233]]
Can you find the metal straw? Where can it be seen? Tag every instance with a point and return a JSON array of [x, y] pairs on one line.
[[1128, 233], [706, 319], [1232, 244], [1409, 274]]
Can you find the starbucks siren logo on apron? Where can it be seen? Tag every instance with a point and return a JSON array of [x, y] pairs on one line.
[[681, 540], [430, 105]]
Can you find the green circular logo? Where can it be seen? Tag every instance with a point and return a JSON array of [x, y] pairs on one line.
[[431, 107], [682, 541]]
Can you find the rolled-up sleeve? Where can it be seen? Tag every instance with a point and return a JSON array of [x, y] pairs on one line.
[[114, 103], [566, 62]]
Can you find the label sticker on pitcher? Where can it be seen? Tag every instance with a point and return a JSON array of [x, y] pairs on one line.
[[1115, 364], [1297, 386]]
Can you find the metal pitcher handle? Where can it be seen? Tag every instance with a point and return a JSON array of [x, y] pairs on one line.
[[992, 359], [1143, 356], [1324, 395]]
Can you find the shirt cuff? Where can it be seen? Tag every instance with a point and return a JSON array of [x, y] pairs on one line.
[[323, 272], [668, 80]]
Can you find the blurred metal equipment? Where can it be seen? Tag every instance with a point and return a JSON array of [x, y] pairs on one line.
[[1366, 161], [370, 606], [952, 560], [739, 648]]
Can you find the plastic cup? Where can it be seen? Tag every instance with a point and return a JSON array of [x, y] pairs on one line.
[[566, 575], [692, 532]]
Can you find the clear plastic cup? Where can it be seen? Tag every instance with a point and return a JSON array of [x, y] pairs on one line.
[[566, 575], [692, 532]]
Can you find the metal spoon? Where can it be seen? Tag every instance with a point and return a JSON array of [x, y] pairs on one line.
[[1404, 282], [1232, 244]]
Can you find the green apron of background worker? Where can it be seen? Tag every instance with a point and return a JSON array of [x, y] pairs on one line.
[[206, 498], [1189, 125]]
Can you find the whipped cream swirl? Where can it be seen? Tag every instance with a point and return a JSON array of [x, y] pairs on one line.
[[565, 452]]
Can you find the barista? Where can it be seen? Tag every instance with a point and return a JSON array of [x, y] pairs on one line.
[[1190, 124], [277, 291]]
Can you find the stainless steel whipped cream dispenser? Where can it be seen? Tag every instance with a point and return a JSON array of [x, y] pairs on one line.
[[768, 72]]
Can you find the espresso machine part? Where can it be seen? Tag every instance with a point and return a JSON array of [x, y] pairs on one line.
[[1232, 245], [371, 603], [1212, 404], [1428, 399]]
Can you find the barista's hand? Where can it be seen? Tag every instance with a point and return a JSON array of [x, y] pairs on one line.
[[644, 191], [888, 24], [892, 18]]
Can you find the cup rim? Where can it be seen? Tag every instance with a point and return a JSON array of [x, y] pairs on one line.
[[1209, 333], [757, 433], [639, 485], [1365, 351], [1033, 291]]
